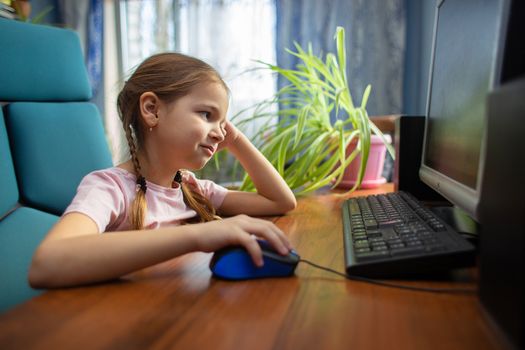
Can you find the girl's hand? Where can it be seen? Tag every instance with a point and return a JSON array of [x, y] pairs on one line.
[[242, 230], [231, 134]]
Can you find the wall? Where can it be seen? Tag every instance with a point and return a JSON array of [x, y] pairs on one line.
[[420, 27], [53, 17]]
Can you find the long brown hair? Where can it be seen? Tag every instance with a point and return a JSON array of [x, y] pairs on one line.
[[170, 76]]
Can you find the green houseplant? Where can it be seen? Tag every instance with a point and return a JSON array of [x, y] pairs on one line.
[[23, 10], [300, 140]]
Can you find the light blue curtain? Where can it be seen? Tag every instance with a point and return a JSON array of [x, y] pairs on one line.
[[95, 44], [86, 18], [375, 41]]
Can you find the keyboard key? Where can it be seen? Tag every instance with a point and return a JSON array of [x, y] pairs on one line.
[[409, 237], [397, 246], [370, 224], [379, 247], [372, 255], [362, 250], [389, 233], [401, 229], [376, 240], [374, 233], [358, 231], [361, 243], [412, 243], [389, 222], [394, 241]]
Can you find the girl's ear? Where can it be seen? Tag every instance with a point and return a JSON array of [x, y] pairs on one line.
[[149, 107]]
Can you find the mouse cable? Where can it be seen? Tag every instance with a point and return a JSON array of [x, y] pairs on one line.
[[393, 285]]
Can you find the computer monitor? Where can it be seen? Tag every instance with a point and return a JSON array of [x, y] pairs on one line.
[[465, 67]]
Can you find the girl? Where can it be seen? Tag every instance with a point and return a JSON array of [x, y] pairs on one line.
[[173, 110]]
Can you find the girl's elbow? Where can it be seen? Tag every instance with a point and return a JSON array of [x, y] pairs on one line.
[[39, 275], [35, 277], [293, 203], [288, 205]]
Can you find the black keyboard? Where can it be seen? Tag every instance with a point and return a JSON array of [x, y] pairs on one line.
[[394, 234]]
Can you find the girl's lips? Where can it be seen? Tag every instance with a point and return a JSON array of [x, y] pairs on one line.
[[208, 149]]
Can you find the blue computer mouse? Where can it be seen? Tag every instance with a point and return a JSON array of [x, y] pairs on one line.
[[235, 263]]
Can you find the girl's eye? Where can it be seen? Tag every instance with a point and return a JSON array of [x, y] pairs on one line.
[[205, 115]]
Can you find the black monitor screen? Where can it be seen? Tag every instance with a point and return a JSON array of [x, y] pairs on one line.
[[464, 69]]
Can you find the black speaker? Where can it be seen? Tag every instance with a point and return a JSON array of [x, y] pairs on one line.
[[502, 213], [408, 142]]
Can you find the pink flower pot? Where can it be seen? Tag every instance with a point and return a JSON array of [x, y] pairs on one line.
[[374, 167]]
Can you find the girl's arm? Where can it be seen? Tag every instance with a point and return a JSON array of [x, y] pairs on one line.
[[273, 196], [74, 253]]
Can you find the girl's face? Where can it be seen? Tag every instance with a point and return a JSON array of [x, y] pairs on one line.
[[190, 129]]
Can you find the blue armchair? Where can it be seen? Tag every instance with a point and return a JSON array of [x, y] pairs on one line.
[[50, 137]]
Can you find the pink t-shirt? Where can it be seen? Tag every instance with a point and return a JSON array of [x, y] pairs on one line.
[[106, 196]]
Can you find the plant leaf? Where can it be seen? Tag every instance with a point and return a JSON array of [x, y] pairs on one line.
[[341, 50]]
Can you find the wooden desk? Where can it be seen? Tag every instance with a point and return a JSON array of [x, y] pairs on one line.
[[178, 305]]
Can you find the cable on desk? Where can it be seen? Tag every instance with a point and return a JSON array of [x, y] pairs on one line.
[[393, 285]]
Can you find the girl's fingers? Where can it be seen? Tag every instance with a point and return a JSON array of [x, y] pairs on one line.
[[247, 229], [253, 249], [271, 233]]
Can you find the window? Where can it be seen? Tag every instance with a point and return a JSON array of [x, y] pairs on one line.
[[228, 34]]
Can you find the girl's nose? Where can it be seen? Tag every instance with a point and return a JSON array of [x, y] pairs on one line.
[[218, 133]]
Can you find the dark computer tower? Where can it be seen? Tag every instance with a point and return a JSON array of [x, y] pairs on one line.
[[502, 213], [408, 140]]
